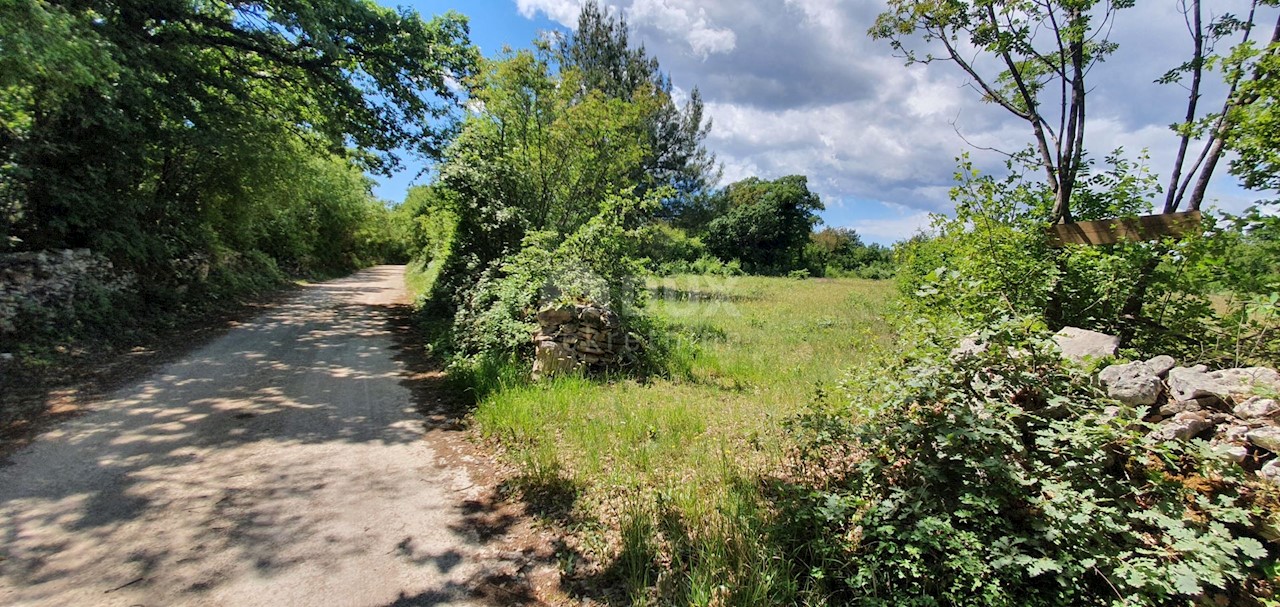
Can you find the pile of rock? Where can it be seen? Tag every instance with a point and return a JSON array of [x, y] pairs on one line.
[[1234, 409], [574, 337], [47, 282]]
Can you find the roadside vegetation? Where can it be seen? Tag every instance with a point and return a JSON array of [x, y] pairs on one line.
[[161, 161], [791, 439], [796, 426]]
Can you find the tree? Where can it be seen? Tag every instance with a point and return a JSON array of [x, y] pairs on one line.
[[767, 223], [1255, 125], [109, 118], [535, 155], [1034, 58], [600, 50]]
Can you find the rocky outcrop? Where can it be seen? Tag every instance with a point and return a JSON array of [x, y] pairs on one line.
[[587, 337], [1195, 382]]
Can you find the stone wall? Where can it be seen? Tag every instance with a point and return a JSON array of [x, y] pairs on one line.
[[45, 284], [586, 337], [1236, 410]]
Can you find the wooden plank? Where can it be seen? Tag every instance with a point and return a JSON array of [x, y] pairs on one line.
[[1124, 229]]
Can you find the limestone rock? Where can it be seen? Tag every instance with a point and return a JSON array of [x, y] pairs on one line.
[[1192, 382], [1079, 344], [1271, 471], [1233, 433], [1233, 453], [968, 346], [1180, 406], [576, 336], [555, 315], [1156, 367], [1183, 426], [1266, 437], [1257, 408], [1132, 384], [551, 358]]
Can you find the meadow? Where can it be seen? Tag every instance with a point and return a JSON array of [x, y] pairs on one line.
[[658, 481]]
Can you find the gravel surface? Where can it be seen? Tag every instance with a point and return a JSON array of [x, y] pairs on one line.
[[283, 464]]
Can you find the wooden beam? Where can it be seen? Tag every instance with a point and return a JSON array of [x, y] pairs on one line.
[[1124, 229]]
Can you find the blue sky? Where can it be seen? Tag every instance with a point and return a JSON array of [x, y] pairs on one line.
[[796, 87]]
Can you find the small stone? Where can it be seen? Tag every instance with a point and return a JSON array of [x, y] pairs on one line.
[[1266, 437], [968, 346], [1235, 454], [1134, 391], [591, 315], [1183, 426], [6, 357], [1081, 344], [1182, 406], [1136, 383], [1270, 472], [1256, 408], [551, 358], [1233, 433]]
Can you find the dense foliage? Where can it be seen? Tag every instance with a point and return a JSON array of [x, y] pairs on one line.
[[180, 138], [994, 258], [1003, 477], [550, 190], [837, 252], [765, 224]]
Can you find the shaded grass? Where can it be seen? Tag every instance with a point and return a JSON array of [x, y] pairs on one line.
[[665, 498]]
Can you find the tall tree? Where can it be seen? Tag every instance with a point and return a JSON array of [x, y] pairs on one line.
[[1040, 51], [766, 224], [1033, 59], [601, 50]]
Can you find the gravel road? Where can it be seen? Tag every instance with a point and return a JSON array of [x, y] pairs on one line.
[[282, 464]]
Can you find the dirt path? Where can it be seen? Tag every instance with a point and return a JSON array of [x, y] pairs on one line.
[[282, 464]]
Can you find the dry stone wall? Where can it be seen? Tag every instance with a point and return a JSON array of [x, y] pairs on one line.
[[44, 284], [1235, 410], [581, 337]]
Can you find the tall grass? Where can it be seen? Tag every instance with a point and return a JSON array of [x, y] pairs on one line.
[[658, 480]]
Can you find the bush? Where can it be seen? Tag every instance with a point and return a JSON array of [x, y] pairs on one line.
[[593, 265], [1006, 478], [994, 258], [665, 248]]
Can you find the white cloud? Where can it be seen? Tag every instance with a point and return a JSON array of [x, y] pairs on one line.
[[564, 12], [677, 21], [797, 87], [894, 229]]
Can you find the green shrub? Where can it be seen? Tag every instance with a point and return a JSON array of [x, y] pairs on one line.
[[496, 317], [994, 258], [665, 248], [1006, 478]]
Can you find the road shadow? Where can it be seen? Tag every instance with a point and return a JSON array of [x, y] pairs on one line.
[[215, 460]]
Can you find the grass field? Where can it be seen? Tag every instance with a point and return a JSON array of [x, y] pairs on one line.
[[657, 481]]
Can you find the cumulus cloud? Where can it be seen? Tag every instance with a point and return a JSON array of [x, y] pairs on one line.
[[796, 86], [676, 20], [892, 229], [563, 11]]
